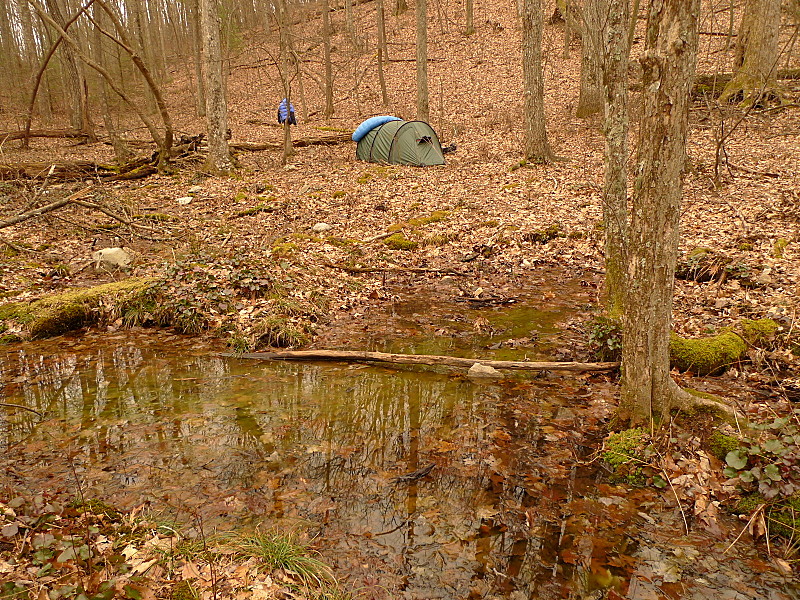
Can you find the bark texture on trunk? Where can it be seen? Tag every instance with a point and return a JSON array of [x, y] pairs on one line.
[[668, 63], [537, 147], [756, 61], [615, 191], [219, 159]]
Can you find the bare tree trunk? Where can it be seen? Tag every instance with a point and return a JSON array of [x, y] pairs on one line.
[[668, 62], [197, 42], [152, 87], [423, 110], [590, 100], [326, 52], [382, 52], [615, 192], [756, 61], [74, 80], [219, 158], [122, 153], [537, 147], [470, 16], [286, 77], [400, 6]]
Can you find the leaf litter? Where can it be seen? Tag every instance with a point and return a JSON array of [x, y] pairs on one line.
[[264, 219]]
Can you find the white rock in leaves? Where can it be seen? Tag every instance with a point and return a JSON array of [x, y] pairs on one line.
[[112, 257], [320, 227], [479, 370], [195, 189], [184, 200]]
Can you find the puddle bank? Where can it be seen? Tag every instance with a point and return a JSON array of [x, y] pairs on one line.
[[511, 507]]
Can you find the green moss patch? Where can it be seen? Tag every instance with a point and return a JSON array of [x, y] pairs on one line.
[[398, 241], [59, 313], [706, 356], [625, 454], [758, 332], [720, 444]]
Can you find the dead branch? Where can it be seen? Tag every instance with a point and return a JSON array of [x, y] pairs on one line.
[[44, 209], [423, 359]]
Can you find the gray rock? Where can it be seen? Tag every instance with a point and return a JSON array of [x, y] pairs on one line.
[[184, 200], [195, 189], [479, 370], [320, 227], [120, 258]]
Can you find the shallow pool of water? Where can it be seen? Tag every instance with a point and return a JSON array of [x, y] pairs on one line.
[[511, 506]]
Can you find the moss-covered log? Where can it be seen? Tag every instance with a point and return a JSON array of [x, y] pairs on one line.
[[58, 313], [707, 356]]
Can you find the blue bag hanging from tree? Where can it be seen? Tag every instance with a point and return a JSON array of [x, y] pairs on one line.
[[285, 112]]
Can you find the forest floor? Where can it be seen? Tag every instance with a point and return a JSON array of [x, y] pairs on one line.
[[480, 227]]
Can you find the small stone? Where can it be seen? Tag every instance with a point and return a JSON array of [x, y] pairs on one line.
[[112, 257], [479, 370], [320, 227], [185, 200], [195, 189]]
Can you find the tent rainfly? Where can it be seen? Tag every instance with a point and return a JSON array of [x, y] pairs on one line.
[[394, 141]]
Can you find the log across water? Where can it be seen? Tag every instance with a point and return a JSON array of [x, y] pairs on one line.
[[422, 359]]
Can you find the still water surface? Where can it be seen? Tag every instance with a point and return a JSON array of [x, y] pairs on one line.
[[511, 507]]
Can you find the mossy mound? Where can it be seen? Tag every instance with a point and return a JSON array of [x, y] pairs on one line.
[[720, 444], [398, 241], [625, 454], [782, 517], [759, 332], [59, 313], [706, 356]]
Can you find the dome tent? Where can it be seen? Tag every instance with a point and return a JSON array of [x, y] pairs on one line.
[[401, 143]]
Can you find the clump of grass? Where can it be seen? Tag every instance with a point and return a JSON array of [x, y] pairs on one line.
[[282, 551]]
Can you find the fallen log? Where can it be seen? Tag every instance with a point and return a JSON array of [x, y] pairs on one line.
[[78, 169], [422, 359], [324, 140]]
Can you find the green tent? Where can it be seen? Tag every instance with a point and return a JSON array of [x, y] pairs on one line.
[[401, 143]]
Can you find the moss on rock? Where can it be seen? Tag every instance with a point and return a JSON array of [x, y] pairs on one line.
[[706, 356]]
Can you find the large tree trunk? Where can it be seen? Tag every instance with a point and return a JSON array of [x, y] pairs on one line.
[[537, 147], [423, 110], [590, 99], [668, 63], [219, 158], [756, 62], [615, 192]]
